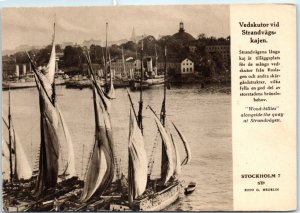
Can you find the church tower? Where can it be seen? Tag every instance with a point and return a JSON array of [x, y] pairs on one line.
[[133, 36]]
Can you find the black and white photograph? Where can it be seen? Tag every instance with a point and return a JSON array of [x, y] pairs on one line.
[[116, 108]]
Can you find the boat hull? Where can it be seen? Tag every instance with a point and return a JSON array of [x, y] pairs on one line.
[[159, 200], [24, 85], [148, 83], [80, 84], [189, 190]]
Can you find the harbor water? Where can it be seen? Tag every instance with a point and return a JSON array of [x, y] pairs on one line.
[[203, 116]]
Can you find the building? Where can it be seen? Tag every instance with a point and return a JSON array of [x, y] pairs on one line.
[[183, 36], [173, 66], [186, 67], [98, 69], [223, 50], [117, 66], [177, 66]]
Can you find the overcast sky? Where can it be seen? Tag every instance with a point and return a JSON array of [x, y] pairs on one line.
[[34, 26]]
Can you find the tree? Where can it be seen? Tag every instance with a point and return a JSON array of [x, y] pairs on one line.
[[72, 56], [201, 36], [42, 57]]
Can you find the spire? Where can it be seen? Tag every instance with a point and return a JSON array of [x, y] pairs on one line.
[[133, 37]]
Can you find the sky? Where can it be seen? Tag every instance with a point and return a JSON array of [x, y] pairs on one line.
[[34, 26]]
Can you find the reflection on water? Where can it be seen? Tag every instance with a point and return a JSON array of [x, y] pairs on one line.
[[203, 117]]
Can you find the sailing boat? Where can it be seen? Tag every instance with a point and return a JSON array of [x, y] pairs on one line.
[[54, 136], [19, 166], [54, 132], [100, 170], [99, 191], [137, 160], [110, 92], [151, 77], [166, 189]]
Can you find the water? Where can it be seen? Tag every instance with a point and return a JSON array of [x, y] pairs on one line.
[[203, 117]]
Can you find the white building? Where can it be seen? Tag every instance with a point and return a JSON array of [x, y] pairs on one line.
[[186, 66]]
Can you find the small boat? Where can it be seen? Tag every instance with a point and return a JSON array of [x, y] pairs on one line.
[[26, 83], [151, 79], [190, 188]]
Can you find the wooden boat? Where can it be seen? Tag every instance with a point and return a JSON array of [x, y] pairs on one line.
[[190, 188], [15, 162], [81, 84], [151, 79], [55, 142], [165, 190], [23, 84]]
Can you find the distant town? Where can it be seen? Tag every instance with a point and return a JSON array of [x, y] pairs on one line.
[[189, 59]]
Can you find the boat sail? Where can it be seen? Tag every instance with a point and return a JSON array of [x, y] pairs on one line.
[[100, 170], [51, 124], [22, 168], [188, 158], [5, 159], [137, 162], [69, 170], [168, 164], [111, 92], [176, 157]]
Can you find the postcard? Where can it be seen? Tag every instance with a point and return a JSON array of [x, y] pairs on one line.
[[149, 108]]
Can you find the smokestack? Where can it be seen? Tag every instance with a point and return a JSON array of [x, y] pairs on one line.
[[17, 71], [149, 65], [24, 69]]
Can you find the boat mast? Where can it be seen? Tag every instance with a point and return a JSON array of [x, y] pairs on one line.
[[53, 96], [163, 108], [140, 113], [156, 58], [9, 138], [164, 157], [106, 53]]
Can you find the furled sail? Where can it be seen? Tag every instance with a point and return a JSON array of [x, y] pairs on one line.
[[137, 162], [186, 145], [100, 170], [51, 124], [22, 166], [168, 146], [49, 148]]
